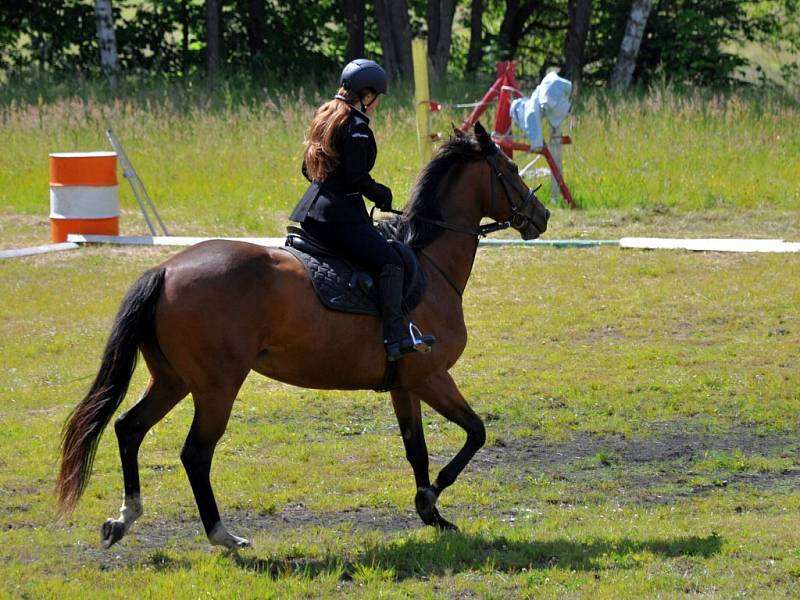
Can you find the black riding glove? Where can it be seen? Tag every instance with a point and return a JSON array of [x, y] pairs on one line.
[[383, 198]]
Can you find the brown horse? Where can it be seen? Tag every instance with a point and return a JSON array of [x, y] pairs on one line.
[[209, 315]]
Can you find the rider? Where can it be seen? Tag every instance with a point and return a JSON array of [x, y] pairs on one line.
[[339, 153]]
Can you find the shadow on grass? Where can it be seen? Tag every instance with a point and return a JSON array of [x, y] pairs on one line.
[[453, 553]]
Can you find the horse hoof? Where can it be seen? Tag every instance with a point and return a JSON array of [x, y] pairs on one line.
[[441, 523], [219, 536], [425, 503], [111, 532]]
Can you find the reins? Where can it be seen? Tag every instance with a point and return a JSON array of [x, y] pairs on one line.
[[481, 231]]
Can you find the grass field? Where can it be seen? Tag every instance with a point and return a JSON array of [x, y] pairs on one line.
[[233, 168], [642, 408]]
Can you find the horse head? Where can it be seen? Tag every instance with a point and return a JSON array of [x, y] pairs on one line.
[[512, 200]]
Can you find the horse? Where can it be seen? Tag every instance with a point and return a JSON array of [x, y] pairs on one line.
[[206, 317]]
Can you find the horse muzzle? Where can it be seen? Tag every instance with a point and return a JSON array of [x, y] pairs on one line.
[[531, 220]]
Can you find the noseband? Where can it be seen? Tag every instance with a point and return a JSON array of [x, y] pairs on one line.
[[518, 219]]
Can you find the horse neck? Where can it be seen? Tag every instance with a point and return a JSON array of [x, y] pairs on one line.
[[454, 252]]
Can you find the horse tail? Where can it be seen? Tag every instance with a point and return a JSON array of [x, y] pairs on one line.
[[85, 424]]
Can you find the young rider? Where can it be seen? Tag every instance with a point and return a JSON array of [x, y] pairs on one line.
[[339, 154]]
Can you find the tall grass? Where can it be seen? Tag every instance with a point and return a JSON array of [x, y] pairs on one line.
[[226, 159]]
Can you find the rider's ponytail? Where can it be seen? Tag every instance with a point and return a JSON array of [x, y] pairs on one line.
[[320, 155]]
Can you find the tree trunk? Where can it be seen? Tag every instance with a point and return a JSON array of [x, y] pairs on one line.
[[629, 49], [580, 16], [475, 54], [213, 30], [106, 39], [185, 37], [511, 29], [395, 33], [255, 28], [355, 14], [440, 34]]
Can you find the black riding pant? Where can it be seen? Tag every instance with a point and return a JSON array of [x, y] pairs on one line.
[[358, 242]]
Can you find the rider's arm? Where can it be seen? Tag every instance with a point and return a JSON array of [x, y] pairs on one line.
[[357, 145]]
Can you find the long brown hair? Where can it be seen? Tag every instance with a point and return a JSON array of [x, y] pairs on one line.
[[320, 155]]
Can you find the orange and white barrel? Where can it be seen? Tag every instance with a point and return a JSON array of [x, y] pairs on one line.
[[83, 194]]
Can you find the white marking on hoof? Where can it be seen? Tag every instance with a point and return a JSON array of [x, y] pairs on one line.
[[220, 536], [130, 510], [113, 530]]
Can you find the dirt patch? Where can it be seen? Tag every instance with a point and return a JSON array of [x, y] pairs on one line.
[[668, 442], [150, 539], [648, 470]]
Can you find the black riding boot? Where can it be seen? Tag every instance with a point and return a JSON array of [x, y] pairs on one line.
[[398, 338]]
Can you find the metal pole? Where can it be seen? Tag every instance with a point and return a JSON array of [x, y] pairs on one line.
[[136, 184]]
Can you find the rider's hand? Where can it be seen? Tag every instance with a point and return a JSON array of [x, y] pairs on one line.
[[383, 200]]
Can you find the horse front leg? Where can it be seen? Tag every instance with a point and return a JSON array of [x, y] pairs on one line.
[[409, 417], [441, 393]]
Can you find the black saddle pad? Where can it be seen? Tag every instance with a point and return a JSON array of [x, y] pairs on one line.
[[344, 286]]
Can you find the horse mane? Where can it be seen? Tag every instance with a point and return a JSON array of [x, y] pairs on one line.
[[425, 202]]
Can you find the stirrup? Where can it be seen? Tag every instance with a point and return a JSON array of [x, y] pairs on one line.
[[415, 342], [422, 343]]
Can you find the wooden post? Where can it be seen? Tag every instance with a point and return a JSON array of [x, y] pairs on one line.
[[419, 55]]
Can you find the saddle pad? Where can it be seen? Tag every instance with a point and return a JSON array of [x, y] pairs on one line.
[[335, 281]]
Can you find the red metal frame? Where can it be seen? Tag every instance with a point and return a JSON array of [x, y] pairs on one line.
[[502, 88]]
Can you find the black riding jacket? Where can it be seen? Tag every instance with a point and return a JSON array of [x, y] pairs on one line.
[[340, 198]]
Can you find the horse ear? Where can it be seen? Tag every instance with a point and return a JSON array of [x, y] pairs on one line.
[[483, 137], [456, 131]]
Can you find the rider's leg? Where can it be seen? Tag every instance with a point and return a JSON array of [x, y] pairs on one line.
[[361, 243]]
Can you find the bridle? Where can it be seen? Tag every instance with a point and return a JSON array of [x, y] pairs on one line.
[[518, 219]]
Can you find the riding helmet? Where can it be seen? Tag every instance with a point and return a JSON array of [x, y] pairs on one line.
[[362, 73]]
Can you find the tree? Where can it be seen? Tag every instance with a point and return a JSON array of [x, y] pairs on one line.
[[395, 33], [213, 36], [440, 34], [355, 14], [514, 25], [255, 28], [629, 49], [580, 16], [475, 53]]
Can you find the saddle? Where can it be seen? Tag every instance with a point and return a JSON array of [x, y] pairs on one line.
[[344, 286]]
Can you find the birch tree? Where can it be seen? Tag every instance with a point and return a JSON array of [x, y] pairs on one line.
[[629, 49], [106, 39]]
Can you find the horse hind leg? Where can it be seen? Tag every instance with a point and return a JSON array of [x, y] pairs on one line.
[[161, 395], [212, 410]]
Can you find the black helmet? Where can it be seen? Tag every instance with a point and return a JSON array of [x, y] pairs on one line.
[[362, 73]]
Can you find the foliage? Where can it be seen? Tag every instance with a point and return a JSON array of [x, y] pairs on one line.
[[688, 41]]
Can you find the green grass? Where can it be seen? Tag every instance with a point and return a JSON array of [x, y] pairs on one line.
[[233, 167], [581, 362]]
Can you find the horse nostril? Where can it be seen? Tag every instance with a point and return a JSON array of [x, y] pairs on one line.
[[546, 214]]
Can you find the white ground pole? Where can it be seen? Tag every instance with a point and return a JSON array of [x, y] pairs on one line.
[[700, 245], [17, 252], [710, 244]]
